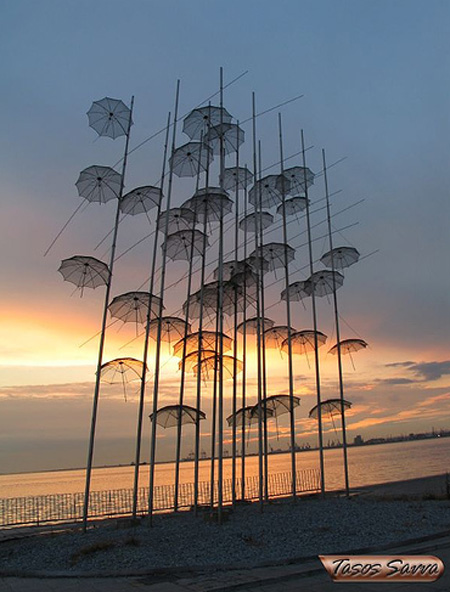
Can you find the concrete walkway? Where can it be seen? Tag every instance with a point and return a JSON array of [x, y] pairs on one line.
[[302, 577]]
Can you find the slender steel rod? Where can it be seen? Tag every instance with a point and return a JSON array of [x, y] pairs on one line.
[[244, 348], [260, 336], [160, 314], [137, 460], [338, 335], [314, 315], [103, 331], [288, 317]]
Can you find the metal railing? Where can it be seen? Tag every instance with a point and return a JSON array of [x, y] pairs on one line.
[[68, 507]]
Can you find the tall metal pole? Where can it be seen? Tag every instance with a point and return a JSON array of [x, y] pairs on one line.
[[103, 330], [158, 338], [244, 351], [314, 315], [137, 459], [338, 336], [288, 318], [259, 327]]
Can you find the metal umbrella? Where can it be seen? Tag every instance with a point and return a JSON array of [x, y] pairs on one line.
[[84, 272], [170, 415], [231, 268], [265, 193], [99, 184], [276, 405], [204, 301], [210, 203], [340, 257], [304, 342], [230, 365], [275, 336], [293, 205], [184, 244], [276, 254], [236, 178], [297, 291], [110, 117], [133, 306], [349, 346], [251, 325], [201, 119], [140, 200], [324, 282], [209, 339], [296, 179], [192, 359], [171, 328], [256, 221], [229, 136], [333, 407], [177, 219], [123, 370], [188, 159]]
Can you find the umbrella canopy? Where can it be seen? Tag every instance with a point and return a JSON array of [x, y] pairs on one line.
[[230, 135], [276, 405], [274, 337], [348, 346], [140, 200], [297, 291], [340, 257], [206, 301], [109, 117], [121, 369], [191, 360], [231, 268], [254, 221], [295, 180], [178, 219], [209, 339], [237, 178], [251, 325], [171, 328], [242, 416], [190, 159], [275, 254], [293, 205], [133, 306], [200, 120], [331, 406], [303, 341], [184, 244], [169, 416], [323, 282], [84, 272], [266, 190], [212, 202], [99, 184], [208, 365]]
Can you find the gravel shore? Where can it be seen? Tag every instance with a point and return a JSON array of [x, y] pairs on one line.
[[283, 531]]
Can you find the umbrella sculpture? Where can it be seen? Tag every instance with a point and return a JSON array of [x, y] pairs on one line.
[[275, 336], [132, 307], [251, 325], [245, 417], [177, 219], [304, 342], [236, 178], [274, 253], [123, 370], [184, 244], [349, 346], [231, 268], [212, 202], [110, 117], [229, 136], [84, 272], [324, 282], [297, 291], [209, 363], [275, 406], [256, 221], [171, 328], [209, 339], [296, 179], [340, 257], [140, 200], [293, 205], [99, 184], [332, 407], [169, 416], [265, 192], [199, 121], [188, 159]]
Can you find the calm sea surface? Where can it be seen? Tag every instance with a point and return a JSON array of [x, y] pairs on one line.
[[367, 465]]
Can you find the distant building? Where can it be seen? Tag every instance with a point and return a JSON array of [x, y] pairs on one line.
[[358, 440]]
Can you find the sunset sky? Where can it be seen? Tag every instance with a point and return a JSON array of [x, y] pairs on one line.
[[374, 76]]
